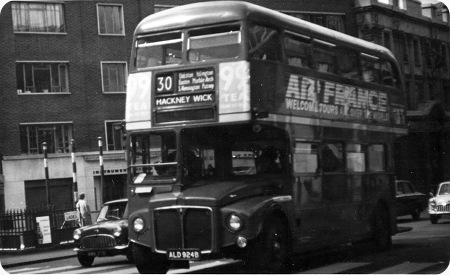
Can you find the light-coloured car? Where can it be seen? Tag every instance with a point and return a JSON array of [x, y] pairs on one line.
[[439, 204]]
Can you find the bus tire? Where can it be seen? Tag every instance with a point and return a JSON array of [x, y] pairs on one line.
[[270, 252], [85, 260], [147, 262], [382, 229]]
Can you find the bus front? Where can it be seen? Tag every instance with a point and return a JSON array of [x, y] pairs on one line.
[[202, 171]]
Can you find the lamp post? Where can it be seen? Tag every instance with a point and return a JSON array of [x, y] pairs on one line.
[[74, 173], [102, 169], [44, 148]]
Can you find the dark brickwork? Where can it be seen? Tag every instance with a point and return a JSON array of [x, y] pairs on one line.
[[81, 46]]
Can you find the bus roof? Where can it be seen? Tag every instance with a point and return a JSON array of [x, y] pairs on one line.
[[214, 12]]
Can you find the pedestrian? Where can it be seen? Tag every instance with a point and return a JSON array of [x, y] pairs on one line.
[[84, 211]]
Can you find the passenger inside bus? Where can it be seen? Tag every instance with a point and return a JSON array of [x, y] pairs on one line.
[[193, 164], [268, 161]]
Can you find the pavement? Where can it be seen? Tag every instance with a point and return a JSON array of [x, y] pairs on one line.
[[35, 256]]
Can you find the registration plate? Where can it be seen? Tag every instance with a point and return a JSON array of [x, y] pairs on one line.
[[184, 254]]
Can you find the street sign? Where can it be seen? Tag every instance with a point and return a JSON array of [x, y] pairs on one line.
[[71, 216]]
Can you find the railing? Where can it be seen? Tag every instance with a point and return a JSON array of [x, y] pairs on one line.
[[19, 230]]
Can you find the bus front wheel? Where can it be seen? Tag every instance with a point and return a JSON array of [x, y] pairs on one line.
[[147, 262], [270, 251]]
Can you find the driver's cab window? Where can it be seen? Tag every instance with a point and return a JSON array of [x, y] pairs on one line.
[[153, 155]]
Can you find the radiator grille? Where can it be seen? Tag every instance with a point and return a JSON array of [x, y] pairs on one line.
[[183, 228], [442, 208], [98, 241]]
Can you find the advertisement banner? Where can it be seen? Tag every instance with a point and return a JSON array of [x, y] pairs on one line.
[[44, 233]]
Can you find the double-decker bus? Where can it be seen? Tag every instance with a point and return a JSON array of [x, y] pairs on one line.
[[255, 135]]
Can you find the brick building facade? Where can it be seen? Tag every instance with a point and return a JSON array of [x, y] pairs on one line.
[[63, 75]]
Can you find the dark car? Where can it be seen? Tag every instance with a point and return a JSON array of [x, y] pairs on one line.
[[408, 200], [107, 237]]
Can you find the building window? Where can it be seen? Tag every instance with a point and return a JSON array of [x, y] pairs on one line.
[[114, 77], [40, 77], [59, 192], [110, 19], [416, 50], [444, 57], [387, 39], [38, 17], [332, 21], [115, 135], [419, 91], [444, 15], [56, 135], [160, 7], [401, 4]]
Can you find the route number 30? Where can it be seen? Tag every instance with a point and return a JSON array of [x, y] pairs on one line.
[[164, 84]]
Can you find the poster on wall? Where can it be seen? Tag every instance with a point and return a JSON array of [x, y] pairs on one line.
[[44, 234]]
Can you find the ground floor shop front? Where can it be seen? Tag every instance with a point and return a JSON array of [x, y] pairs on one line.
[[25, 184]]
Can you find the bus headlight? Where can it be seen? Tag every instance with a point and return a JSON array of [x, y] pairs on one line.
[[117, 231], [138, 225], [234, 222], [76, 234]]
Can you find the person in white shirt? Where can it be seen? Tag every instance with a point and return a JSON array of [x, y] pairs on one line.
[[84, 211]]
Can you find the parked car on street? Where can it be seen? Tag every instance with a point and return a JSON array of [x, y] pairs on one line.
[[107, 237], [439, 205], [408, 201]]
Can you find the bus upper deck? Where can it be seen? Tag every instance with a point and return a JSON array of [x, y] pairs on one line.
[[234, 61]]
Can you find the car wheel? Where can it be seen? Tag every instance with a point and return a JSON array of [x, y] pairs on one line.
[[382, 229], [270, 252], [85, 260], [416, 213], [434, 219], [147, 262]]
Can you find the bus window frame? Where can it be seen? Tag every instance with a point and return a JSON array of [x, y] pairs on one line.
[[159, 43], [384, 158], [279, 35], [239, 29], [341, 168], [324, 47], [306, 41]]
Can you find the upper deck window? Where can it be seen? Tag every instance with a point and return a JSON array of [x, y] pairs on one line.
[[298, 51], [158, 50], [324, 56], [347, 63], [370, 68], [214, 43], [263, 43]]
